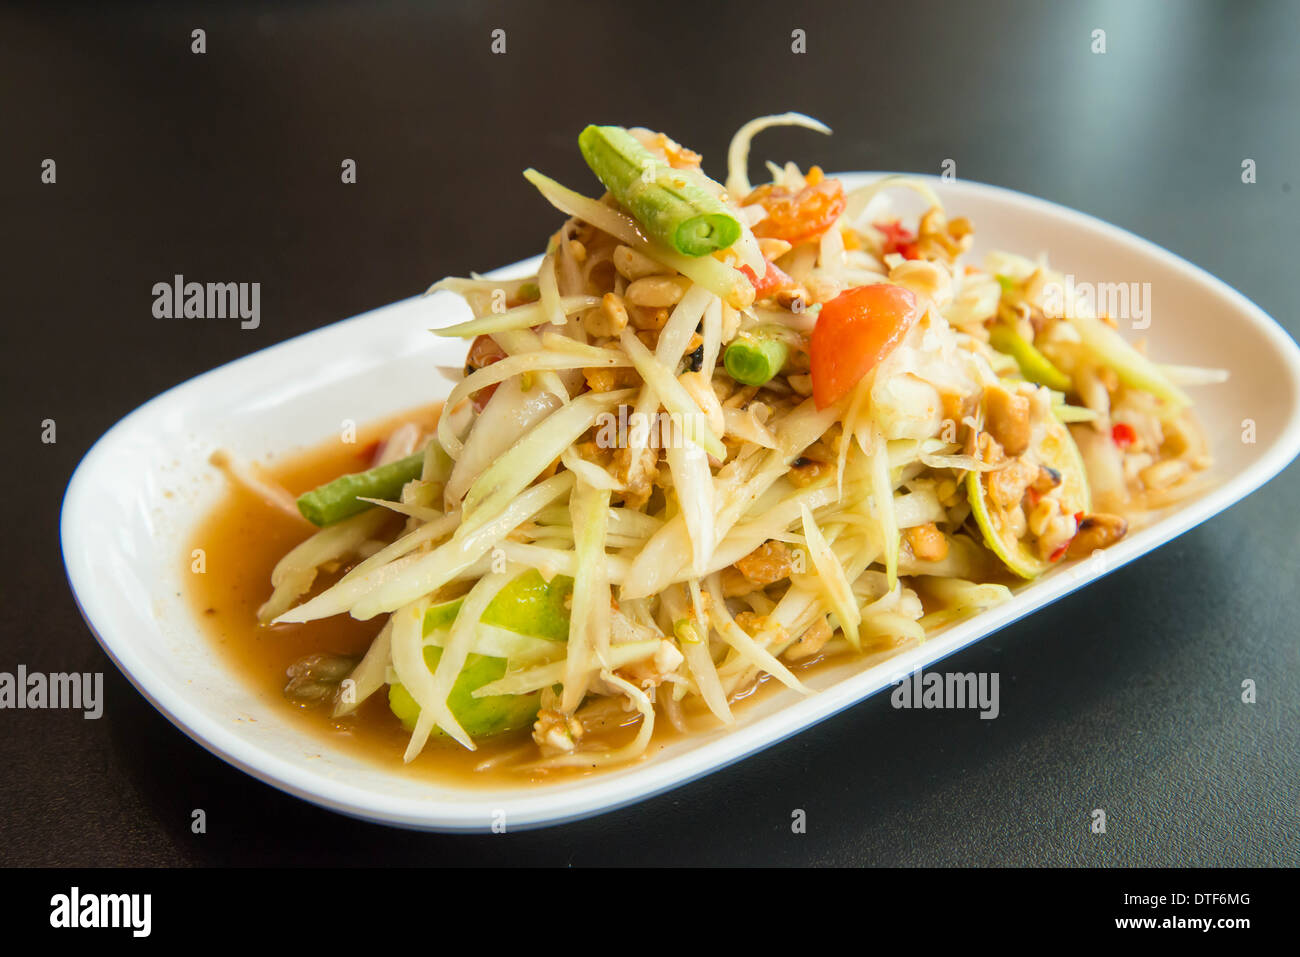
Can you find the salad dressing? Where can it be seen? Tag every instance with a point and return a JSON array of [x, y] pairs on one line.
[[244, 537]]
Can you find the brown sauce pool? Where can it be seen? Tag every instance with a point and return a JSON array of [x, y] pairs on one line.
[[244, 538]]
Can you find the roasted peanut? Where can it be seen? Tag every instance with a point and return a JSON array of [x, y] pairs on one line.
[[773, 249], [794, 298], [801, 384], [605, 379], [633, 265], [811, 641], [1008, 418], [1097, 530], [655, 292], [735, 584], [651, 320], [1163, 474], [928, 543], [607, 319]]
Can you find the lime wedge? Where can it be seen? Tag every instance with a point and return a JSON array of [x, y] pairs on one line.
[[526, 606], [480, 717], [1055, 449]]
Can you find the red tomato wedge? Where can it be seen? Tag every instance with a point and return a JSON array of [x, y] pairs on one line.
[[854, 331]]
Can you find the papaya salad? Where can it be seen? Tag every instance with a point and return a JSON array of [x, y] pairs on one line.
[[723, 432]]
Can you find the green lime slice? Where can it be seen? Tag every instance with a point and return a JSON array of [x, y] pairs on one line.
[[527, 606], [480, 717], [1055, 449]]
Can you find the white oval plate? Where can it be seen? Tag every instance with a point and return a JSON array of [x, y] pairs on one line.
[[123, 533]]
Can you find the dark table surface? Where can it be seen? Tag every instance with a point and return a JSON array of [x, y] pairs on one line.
[[1125, 696]]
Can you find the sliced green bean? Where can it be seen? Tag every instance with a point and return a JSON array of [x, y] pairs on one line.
[[341, 498], [754, 360], [675, 206]]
